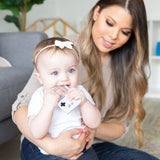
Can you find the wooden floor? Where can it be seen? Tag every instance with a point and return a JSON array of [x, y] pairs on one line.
[[10, 150]]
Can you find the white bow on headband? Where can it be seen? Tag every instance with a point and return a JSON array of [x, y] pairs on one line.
[[62, 44]]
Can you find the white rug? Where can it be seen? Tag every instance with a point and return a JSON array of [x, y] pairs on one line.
[[151, 128]]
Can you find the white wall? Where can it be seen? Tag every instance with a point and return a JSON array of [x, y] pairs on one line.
[[152, 7], [72, 11]]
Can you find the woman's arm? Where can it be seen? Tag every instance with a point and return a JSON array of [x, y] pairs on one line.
[[24, 96], [109, 131], [55, 146]]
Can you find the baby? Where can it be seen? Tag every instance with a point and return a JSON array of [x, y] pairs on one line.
[[60, 104]]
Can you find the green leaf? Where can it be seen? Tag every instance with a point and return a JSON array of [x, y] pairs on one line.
[[3, 5], [13, 9], [12, 19], [14, 6], [12, 2], [29, 6], [37, 1]]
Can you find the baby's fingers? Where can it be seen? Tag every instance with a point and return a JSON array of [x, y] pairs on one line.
[[75, 94]]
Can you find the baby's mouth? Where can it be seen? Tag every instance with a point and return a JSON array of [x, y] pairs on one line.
[[61, 89]]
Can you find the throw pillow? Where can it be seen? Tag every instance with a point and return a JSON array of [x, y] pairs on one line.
[[4, 62]]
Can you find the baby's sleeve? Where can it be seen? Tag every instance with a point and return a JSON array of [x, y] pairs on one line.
[[35, 103], [88, 96]]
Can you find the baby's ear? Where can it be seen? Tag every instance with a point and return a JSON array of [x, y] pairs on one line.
[[37, 75]]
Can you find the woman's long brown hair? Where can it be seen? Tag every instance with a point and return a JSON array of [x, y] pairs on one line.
[[128, 67]]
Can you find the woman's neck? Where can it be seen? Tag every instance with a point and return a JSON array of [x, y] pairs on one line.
[[104, 57]]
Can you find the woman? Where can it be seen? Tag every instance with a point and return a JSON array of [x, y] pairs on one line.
[[114, 54]]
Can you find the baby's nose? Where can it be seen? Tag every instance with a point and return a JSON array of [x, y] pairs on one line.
[[64, 79]]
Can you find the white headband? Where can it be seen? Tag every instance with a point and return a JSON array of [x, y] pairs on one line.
[[60, 44]]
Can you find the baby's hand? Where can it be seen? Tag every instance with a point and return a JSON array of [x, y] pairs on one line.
[[76, 94], [51, 98]]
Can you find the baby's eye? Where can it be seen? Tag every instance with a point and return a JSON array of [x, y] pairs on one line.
[[55, 73], [71, 70], [108, 23]]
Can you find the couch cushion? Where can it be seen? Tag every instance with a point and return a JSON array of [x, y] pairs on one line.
[[7, 131], [12, 81]]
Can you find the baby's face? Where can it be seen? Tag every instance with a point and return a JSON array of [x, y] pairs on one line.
[[58, 69]]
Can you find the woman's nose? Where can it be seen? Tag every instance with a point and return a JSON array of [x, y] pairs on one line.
[[114, 34]]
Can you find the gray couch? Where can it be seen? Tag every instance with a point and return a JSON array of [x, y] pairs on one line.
[[17, 48]]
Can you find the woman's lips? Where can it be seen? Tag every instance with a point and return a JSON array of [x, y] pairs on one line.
[[107, 44]]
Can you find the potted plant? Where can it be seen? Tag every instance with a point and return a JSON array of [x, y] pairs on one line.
[[19, 9]]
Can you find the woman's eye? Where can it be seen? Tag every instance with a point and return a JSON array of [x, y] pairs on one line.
[[125, 33], [55, 73], [71, 70], [108, 23]]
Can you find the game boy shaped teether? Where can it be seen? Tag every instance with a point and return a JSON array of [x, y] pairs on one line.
[[64, 103]]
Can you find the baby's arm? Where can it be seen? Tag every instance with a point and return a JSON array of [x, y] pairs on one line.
[[40, 123], [90, 113]]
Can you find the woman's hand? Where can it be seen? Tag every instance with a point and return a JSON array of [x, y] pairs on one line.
[[68, 147], [90, 137]]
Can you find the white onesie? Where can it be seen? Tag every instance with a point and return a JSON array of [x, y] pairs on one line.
[[61, 121]]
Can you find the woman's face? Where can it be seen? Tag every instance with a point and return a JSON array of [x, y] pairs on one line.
[[112, 28]]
